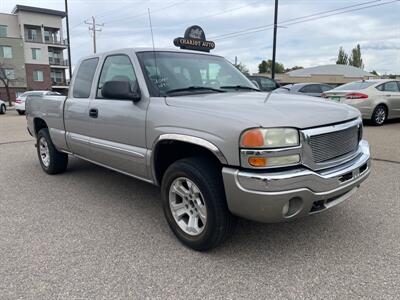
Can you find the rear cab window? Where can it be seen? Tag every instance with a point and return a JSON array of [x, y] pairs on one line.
[[84, 78], [311, 88]]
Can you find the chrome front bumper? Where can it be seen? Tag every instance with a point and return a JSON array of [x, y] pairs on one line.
[[277, 196]]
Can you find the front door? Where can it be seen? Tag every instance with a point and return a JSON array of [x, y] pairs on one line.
[[76, 110], [118, 126], [391, 91]]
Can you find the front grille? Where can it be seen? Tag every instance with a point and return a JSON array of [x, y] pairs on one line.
[[331, 145]]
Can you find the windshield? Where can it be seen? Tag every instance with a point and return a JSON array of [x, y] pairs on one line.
[[355, 86], [177, 73]]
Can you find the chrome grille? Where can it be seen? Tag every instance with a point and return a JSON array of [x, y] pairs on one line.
[[334, 144]]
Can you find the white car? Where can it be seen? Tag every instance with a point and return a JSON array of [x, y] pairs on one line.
[[20, 101], [3, 107], [377, 100]]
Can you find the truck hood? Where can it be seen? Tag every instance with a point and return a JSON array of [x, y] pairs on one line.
[[268, 110]]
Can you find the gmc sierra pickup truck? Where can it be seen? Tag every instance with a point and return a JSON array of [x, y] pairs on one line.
[[219, 148]]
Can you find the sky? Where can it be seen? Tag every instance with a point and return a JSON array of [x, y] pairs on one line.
[[299, 43]]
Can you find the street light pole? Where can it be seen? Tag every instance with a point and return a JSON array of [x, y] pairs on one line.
[[68, 40], [274, 42]]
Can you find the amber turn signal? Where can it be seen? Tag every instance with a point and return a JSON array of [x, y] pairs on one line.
[[257, 161], [253, 138]]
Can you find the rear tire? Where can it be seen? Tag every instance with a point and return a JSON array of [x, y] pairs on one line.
[[201, 196], [21, 112], [51, 160], [379, 116], [3, 109]]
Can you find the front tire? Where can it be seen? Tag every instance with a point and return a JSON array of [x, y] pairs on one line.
[[195, 205], [51, 160], [21, 112], [379, 115], [3, 109]]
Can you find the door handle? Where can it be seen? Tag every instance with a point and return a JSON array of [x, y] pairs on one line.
[[388, 95], [93, 113]]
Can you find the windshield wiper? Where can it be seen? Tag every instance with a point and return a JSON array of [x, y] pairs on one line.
[[239, 87], [194, 88]]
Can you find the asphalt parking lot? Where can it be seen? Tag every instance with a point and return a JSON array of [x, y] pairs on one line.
[[93, 233]]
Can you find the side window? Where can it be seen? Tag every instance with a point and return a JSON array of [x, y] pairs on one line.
[[267, 84], [116, 68], [84, 78], [311, 88], [380, 87], [391, 87], [325, 88]]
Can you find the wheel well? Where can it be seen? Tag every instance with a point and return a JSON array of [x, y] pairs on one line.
[[167, 152], [39, 124]]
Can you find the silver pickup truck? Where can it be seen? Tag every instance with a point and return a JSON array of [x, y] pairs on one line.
[[219, 148]]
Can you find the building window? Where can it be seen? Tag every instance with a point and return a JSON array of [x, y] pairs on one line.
[[32, 35], [5, 52], [57, 77], [36, 53], [10, 73], [37, 75], [3, 30]]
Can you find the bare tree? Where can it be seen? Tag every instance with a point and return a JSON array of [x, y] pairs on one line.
[[7, 76]]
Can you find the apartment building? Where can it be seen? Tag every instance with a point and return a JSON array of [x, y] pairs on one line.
[[32, 50]]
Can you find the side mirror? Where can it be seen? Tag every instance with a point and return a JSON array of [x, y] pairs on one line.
[[120, 90]]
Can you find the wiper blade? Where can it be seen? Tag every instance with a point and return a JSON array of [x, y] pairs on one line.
[[194, 88], [239, 87]]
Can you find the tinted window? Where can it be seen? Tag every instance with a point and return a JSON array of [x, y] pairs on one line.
[[116, 68], [326, 88], [311, 88], [391, 87], [84, 78], [267, 84], [355, 86]]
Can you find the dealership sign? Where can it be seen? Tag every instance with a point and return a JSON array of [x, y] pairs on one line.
[[194, 39]]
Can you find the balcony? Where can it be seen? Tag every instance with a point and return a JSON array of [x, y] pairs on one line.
[[58, 62], [59, 83], [54, 41]]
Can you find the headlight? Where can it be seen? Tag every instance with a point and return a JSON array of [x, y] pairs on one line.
[[269, 138]]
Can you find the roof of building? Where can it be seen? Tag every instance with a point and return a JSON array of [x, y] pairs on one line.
[[39, 10], [341, 70]]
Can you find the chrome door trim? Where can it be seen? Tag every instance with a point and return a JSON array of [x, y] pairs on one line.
[[113, 146]]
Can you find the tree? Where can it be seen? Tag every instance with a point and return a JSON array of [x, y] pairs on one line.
[[242, 68], [343, 58], [355, 58], [7, 76], [293, 68], [375, 73], [266, 67]]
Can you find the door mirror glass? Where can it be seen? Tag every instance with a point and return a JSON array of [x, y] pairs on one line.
[[121, 89]]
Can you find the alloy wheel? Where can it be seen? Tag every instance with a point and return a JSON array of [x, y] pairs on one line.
[[44, 152], [187, 206]]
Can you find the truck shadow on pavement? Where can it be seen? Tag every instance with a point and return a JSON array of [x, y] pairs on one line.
[[138, 200]]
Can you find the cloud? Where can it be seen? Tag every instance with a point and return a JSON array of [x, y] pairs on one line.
[[307, 44]]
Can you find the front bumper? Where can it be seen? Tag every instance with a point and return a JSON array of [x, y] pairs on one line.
[[278, 196]]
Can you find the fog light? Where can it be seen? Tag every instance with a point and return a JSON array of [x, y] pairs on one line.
[[292, 207]]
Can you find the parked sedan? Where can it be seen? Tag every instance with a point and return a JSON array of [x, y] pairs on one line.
[[3, 107], [378, 100], [310, 89], [265, 84], [20, 101]]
